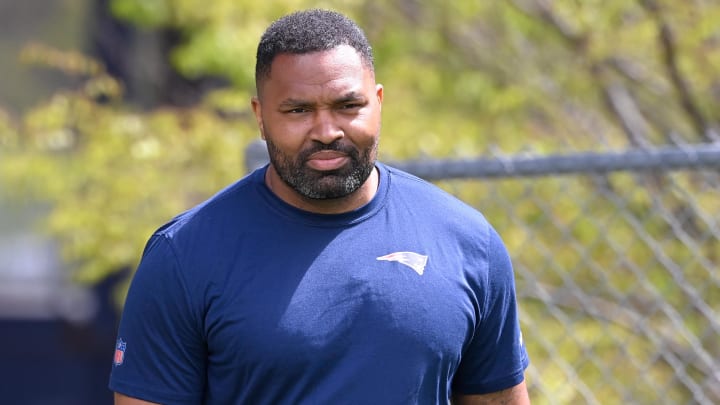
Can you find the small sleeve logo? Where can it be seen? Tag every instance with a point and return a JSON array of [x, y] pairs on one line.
[[119, 352]]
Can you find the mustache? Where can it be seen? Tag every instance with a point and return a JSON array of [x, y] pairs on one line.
[[334, 146]]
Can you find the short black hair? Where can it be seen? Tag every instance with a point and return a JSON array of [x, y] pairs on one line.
[[309, 31]]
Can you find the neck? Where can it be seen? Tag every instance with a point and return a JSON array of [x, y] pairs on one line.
[[350, 202]]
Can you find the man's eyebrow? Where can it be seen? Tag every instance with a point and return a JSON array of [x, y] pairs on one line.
[[351, 96], [294, 102]]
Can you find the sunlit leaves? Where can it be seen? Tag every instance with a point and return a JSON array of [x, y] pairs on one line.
[[70, 62], [146, 13], [113, 175]]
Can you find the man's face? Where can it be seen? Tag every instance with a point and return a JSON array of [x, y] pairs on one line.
[[320, 116]]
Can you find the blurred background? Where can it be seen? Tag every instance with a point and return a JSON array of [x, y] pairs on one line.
[[586, 131]]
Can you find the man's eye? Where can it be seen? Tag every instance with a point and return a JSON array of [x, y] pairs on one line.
[[351, 106], [297, 110]]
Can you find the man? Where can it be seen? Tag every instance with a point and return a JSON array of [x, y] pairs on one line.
[[324, 277]]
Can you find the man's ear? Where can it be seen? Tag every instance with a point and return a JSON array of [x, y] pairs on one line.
[[257, 110]]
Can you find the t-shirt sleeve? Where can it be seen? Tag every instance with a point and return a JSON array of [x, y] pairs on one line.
[[160, 353], [496, 357]]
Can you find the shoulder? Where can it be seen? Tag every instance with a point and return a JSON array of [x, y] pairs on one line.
[[195, 240], [405, 180], [423, 196], [226, 205]]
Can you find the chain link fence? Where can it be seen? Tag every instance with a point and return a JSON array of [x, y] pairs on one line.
[[617, 260]]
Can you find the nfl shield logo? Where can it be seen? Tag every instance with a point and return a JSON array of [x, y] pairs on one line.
[[119, 352]]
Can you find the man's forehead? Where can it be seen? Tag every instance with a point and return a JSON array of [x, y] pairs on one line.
[[337, 71], [342, 54]]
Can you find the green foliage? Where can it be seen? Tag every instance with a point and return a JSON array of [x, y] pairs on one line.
[[113, 174]]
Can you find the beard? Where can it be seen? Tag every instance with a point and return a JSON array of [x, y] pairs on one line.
[[324, 185]]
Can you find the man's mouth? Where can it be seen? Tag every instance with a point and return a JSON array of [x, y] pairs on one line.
[[326, 160]]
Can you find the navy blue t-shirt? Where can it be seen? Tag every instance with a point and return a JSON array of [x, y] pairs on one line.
[[247, 300]]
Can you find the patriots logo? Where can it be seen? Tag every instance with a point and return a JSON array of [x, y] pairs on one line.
[[415, 261]]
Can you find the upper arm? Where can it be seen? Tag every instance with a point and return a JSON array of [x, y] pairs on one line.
[[163, 351], [495, 358], [121, 399], [516, 395]]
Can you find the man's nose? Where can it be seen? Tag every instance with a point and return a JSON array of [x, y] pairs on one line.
[[325, 127]]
